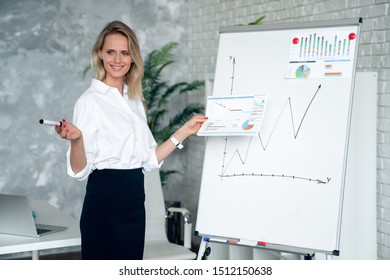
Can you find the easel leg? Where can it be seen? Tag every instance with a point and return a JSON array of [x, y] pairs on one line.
[[202, 249], [329, 257], [35, 255]]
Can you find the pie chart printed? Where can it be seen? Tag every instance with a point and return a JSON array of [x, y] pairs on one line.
[[302, 71], [247, 126]]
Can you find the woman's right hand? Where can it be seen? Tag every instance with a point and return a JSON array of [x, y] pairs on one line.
[[68, 131]]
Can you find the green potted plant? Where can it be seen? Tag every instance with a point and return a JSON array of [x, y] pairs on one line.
[[159, 92]]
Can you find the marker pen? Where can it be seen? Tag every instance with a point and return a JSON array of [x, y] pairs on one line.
[[247, 242], [212, 239], [47, 122]]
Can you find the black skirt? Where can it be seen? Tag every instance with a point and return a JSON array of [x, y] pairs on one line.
[[112, 221]]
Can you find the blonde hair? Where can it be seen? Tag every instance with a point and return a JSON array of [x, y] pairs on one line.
[[133, 78]]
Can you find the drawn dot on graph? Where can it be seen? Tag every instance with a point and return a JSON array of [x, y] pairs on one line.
[[302, 71]]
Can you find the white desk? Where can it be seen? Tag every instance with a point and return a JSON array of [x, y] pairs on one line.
[[46, 214]]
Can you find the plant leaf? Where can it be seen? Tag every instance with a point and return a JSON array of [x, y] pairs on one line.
[[257, 21]]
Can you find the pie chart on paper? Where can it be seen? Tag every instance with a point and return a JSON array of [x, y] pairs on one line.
[[247, 126], [302, 71]]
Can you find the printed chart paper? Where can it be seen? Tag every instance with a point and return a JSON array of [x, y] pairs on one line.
[[321, 55], [234, 115]]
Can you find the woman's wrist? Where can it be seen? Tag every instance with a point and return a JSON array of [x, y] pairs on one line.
[[77, 141], [176, 142], [180, 134]]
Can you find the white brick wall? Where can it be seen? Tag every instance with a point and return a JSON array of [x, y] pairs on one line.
[[206, 16]]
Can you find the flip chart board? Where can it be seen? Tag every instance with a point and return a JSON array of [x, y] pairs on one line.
[[283, 188]]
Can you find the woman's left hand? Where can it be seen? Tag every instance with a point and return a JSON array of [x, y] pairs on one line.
[[192, 126]]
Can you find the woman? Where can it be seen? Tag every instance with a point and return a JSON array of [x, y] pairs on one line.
[[111, 144]]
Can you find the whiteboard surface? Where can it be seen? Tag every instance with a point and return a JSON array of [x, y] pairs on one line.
[[284, 186]]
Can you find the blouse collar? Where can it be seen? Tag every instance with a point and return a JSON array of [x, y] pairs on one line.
[[103, 87]]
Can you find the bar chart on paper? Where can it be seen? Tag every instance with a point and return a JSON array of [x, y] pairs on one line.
[[234, 115], [321, 54]]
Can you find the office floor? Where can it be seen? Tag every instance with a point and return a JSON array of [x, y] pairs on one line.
[[76, 255], [59, 256], [62, 256]]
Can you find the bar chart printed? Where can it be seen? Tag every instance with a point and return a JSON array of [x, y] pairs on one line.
[[234, 115], [321, 55]]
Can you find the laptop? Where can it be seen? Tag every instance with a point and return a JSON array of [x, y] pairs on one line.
[[17, 218]]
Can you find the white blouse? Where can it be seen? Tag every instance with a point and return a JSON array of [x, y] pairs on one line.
[[115, 131]]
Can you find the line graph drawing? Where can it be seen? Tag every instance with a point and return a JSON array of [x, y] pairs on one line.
[[288, 102], [264, 143], [318, 181], [233, 60]]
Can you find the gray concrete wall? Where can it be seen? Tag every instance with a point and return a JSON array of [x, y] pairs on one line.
[[44, 48]]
